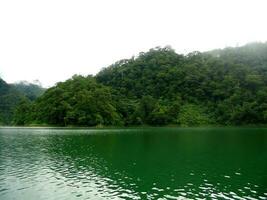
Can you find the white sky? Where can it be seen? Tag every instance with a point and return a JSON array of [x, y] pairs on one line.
[[51, 40]]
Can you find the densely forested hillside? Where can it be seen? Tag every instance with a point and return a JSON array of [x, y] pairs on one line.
[[223, 86], [79, 101], [11, 95], [159, 87]]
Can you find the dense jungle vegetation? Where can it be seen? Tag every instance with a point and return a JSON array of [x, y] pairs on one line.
[[160, 87]]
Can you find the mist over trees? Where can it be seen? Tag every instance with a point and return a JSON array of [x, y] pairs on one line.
[[159, 87]]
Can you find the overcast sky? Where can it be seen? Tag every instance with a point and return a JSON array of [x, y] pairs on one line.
[[51, 40]]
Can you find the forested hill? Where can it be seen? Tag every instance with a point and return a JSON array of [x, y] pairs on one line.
[[160, 87], [13, 94]]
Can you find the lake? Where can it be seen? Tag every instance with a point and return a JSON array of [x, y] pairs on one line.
[[135, 163]]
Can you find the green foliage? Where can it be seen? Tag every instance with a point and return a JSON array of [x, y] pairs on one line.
[[78, 101], [228, 82], [159, 87], [193, 115], [22, 115], [159, 116]]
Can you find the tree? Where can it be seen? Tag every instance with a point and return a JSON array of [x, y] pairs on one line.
[[22, 114], [193, 115]]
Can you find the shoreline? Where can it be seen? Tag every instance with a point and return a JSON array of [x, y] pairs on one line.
[[133, 127]]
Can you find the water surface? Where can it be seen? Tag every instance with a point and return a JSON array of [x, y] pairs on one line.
[[151, 163]]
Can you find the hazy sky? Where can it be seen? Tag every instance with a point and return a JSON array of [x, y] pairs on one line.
[[51, 40]]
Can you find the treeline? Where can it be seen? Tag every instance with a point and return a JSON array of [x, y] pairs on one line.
[[161, 87]]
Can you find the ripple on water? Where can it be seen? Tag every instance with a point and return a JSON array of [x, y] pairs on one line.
[[81, 167]]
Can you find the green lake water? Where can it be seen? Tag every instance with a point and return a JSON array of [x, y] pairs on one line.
[[149, 163]]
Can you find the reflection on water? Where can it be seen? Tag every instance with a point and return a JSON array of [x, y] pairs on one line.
[[152, 163]]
